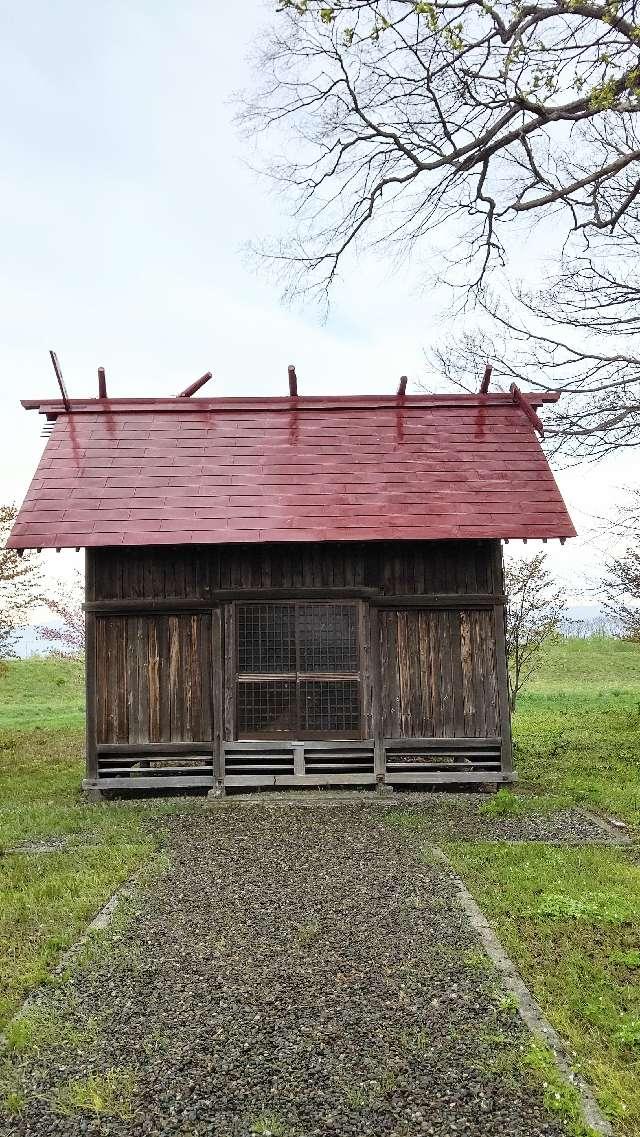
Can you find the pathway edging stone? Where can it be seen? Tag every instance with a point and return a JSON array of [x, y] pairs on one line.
[[529, 1010], [99, 923]]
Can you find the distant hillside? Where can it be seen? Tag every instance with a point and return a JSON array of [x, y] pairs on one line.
[[28, 642]]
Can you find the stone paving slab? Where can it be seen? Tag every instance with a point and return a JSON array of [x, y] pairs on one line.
[[302, 973]]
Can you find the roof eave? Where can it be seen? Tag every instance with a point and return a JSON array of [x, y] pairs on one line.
[[20, 545]]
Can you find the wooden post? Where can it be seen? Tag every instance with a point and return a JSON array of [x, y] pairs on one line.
[[229, 672], [217, 678], [298, 760], [193, 387], [364, 643], [525, 405], [486, 379], [506, 746], [63, 389], [376, 697], [90, 676]]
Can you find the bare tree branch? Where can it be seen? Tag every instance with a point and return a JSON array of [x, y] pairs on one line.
[[621, 585], [399, 116], [578, 336]]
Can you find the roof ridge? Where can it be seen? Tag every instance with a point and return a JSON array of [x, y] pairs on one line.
[[284, 403]]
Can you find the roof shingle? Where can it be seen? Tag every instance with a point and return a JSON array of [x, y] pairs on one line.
[[144, 472]]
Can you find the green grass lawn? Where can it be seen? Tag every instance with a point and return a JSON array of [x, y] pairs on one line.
[[47, 899], [577, 726], [42, 692], [570, 918]]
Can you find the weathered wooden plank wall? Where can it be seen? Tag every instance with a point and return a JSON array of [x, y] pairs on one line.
[[427, 672], [154, 678], [438, 674], [403, 568], [90, 651]]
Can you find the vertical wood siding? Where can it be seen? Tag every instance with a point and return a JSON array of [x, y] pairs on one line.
[[438, 674], [402, 568], [154, 678], [437, 668]]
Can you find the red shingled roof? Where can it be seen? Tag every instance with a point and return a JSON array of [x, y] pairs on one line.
[[149, 472]]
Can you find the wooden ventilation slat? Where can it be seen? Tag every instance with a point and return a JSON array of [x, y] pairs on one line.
[[152, 771], [166, 782], [267, 763], [259, 761], [316, 760], [440, 759]]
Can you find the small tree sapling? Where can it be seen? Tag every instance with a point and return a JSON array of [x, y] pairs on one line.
[[67, 635], [535, 607], [20, 585]]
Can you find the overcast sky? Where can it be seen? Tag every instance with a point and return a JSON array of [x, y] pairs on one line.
[[126, 201]]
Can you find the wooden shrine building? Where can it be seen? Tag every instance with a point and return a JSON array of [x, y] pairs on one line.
[[293, 591]]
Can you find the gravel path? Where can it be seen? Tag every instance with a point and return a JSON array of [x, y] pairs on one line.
[[462, 816], [299, 972]]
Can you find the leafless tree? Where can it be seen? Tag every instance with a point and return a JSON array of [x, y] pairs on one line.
[[447, 128], [621, 589], [578, 336], [408, 123], [535, 607], [621, 585], [20, 585], [67, 635]]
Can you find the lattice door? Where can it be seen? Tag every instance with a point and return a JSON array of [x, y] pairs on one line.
[[298, 670]]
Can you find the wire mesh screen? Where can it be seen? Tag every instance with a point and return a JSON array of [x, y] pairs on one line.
[[310, 647], [266, 638], [327, 637], [268, 706], [330, 705]]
